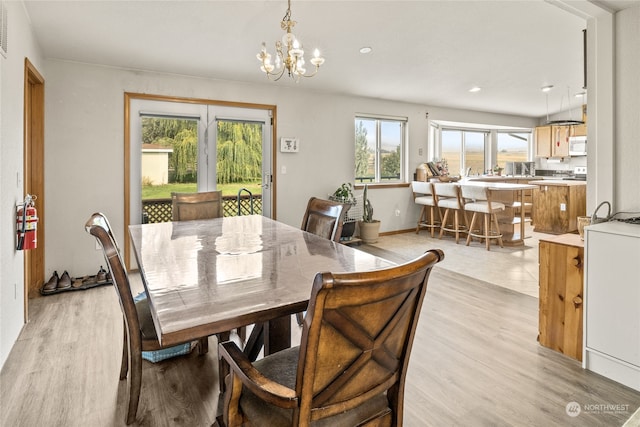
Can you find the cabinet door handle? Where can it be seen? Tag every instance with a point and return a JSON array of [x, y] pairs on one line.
[[577, 262], [577, 301]]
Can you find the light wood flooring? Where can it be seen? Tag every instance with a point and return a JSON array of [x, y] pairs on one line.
[[475, 360]]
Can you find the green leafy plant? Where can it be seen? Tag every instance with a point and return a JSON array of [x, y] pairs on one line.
[[344, 193], [367, 216]]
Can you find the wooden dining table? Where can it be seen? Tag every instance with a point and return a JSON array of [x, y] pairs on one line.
[[210, 276]]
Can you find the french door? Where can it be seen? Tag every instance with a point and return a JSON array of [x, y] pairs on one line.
[[195, 147]]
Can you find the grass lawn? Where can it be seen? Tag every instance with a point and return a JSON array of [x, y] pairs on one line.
[[164, 191]]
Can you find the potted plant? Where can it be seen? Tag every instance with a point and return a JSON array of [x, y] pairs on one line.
[[497, 170], [344, 194], [369, 227]]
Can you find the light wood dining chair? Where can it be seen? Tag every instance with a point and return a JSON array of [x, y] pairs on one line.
[[430, 217], [190, 206], [477, 199], [350, 368], [139, 331], [447, 196]]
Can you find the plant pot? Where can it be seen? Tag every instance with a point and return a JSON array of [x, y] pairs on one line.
[[369, 231], [348, 228]]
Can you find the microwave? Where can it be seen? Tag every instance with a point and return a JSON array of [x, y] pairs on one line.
[[578, 146]]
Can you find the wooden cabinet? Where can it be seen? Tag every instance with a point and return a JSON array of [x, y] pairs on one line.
[[557, 205], [543, 141], [552, 141], [612, 298], [561, 276], [579, 130]]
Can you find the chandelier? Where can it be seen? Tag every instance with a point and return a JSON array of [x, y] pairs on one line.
[[289, 54]]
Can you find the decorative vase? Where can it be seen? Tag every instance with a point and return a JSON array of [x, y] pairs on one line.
[[369, 231]]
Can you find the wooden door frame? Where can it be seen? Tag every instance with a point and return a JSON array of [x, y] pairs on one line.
[[129, 96], [33, 175]]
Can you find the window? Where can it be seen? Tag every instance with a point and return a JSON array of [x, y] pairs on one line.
[[464, 150], [512, 147], [379, 149]]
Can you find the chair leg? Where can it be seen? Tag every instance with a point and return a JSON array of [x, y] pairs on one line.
[[473, 221], [135, 383], [495, 220], [423, 215], [443, 224], [203, 346], [487, 232], [124, 366]]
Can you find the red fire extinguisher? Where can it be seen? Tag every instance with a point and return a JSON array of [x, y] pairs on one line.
[[27, 224]]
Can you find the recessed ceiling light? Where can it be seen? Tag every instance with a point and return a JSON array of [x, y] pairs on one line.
[[547, 88], [475, 89], [365, 49]]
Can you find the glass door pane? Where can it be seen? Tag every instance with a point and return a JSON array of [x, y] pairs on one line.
[[239, 163]]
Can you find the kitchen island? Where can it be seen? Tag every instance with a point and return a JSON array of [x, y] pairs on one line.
[[557, 204]]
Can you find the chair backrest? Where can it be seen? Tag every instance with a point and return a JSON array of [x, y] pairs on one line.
[[324, 218], [357, 337], [190, 206], [98, 226], [420, 188], [473, 192]]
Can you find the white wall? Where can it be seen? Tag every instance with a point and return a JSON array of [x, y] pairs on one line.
[[21, 44], [627, 111]]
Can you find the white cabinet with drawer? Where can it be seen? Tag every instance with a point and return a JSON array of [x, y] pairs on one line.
[[612, 302]]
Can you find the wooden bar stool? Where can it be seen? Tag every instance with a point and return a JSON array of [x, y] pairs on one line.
[[423, 196], [477, 199], [447, 197]]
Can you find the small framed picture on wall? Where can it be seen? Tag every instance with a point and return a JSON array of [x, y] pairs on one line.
[[289, 145]]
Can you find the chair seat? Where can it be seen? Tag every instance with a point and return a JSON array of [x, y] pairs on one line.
[[483, 206], [281, 367], [448, 203], [425, 200]]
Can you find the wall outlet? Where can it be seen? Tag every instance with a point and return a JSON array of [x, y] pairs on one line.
[[563, 207], [419, 151], [397, 212]]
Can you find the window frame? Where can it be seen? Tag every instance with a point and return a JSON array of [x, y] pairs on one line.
[[403, 144]]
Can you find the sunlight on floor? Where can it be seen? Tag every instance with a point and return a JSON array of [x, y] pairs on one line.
[[514, 268]]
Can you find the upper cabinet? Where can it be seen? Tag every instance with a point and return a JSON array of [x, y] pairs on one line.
[[552, 141], [579, 130]]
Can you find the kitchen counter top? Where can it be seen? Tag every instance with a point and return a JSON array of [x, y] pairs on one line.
[[568, 239], [559, 182]]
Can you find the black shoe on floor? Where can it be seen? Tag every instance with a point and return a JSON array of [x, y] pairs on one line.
[[65, 281], [52, 284]]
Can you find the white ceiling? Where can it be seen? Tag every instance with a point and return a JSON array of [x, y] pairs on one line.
[[425, 52]]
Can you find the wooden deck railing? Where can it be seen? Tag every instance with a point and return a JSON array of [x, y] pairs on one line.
[[159, 210]]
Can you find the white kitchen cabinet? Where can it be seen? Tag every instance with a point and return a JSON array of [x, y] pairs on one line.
[[612, 302]]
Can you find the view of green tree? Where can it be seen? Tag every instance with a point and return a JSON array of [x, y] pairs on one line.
[[239, 152], [391, 163], [362, 153]]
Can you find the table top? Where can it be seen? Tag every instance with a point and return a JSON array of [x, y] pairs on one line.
[[209, 276]]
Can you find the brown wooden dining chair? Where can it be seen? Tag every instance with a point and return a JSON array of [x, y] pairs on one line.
[[351, 365], [324, 218], [190, 206], [139, 331]]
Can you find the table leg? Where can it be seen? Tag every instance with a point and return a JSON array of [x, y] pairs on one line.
[[277, 335]]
